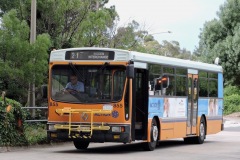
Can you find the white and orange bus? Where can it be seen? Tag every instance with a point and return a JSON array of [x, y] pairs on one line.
[[130, 96]]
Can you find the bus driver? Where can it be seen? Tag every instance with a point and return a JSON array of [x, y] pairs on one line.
[[74, 86]]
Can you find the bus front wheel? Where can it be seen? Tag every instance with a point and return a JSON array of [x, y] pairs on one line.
[[81, 144], [150, 146]]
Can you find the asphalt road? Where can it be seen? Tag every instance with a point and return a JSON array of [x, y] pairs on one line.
[[222, 146]]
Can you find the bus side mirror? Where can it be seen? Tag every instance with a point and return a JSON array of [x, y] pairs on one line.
[[130, 71], [44, 91]]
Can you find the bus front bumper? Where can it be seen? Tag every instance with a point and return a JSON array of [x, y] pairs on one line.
[[110, 135]]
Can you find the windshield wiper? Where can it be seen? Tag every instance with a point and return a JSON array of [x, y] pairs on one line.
[[103, 67], [77, 72]]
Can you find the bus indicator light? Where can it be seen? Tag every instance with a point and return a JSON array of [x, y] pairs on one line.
[[116, 136], [53, 135]]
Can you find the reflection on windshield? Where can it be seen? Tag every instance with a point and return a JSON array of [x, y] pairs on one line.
[[87, 84]]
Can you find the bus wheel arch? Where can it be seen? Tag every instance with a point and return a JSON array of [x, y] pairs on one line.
[[154, 135]]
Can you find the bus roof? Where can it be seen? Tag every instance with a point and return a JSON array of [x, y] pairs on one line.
[[157, 59], [124, 55]]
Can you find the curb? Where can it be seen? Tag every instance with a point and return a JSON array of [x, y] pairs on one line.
[[19, 148]]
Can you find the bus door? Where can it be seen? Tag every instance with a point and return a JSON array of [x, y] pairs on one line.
[[192, 103], [140, 105]]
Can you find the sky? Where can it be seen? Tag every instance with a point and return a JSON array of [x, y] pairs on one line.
[[184, 18]]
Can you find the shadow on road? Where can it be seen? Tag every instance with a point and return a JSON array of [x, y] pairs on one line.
[[124, 148]]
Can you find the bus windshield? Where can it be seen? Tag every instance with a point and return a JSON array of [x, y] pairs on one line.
[[93, 83]]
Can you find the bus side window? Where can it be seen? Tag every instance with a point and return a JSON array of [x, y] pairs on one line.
[[170, 89], [151, 85], [155, 71], [165, 81], [160, 84], [157, 86]]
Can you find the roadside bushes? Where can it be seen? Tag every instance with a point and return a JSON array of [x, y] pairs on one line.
[[231, 99], [13, 130], [11, 123], [35, 133]]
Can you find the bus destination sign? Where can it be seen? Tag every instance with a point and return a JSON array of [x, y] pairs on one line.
[[89, 55]]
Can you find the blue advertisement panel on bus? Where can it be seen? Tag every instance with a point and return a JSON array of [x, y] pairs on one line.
[[210, 107], [167, 107], [177, 107]]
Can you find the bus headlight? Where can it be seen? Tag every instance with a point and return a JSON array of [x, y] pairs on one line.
[[51, 127], [118, 129]]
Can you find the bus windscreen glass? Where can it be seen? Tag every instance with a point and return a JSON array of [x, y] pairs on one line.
[[97, 83]]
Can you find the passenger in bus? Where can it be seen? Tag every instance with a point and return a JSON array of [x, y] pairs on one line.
[[74, 86]]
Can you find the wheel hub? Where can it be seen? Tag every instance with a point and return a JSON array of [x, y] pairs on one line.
[[155, 133], [202, 131]]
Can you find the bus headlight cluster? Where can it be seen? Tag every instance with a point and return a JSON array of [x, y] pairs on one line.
[[118, 129], [51, 127]]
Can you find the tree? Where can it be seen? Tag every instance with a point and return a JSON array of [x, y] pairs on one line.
[[60, 19], [69, 23], [19, 59], [128, 37], [170, 49], [220, 38], [96, 29], [6, 5]]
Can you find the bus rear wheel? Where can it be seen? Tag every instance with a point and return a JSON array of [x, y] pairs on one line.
[[150, 146], [202, 132], [81, 144]]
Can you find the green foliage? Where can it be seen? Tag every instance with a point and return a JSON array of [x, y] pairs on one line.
[[221, 38], [94, 29], [232, 103], [170, 49], [37, 63], [230, 90], [69, 23], [19, 60], [127, 37], [11, 130], [6, 5], [231, 99], [35, 133]]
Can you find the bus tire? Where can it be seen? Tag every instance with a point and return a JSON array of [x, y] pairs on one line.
[[81, 144], [202, 132], [150, 146]]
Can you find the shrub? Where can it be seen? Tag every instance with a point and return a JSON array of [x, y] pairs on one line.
[[35, 133], [11, 120], [230, 90], [231, 103]]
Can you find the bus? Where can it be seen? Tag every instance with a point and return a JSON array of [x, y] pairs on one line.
[[129, 96]]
